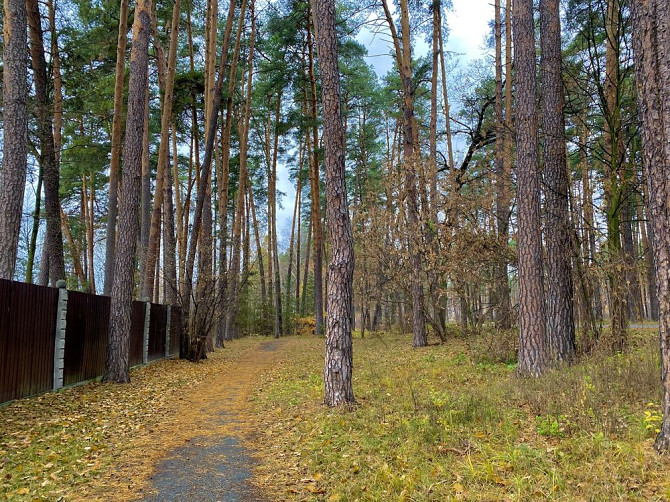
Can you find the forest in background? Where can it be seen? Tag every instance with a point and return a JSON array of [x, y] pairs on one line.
[[541, 223]]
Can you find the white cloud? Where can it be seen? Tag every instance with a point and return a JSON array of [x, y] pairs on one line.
[[468, 27]]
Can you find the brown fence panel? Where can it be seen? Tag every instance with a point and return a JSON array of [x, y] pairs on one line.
[[157, 325], [175, 330], [137, 333], [27, 334], [86, 332]]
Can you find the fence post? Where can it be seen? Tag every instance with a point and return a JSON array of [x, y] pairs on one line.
[[59, 345], [167, 331], [147, 316]]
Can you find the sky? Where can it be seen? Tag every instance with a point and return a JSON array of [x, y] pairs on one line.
[[468, 23]]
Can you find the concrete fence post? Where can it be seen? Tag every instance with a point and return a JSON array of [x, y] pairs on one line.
[[59, 345], [147, 318], [167, 331]]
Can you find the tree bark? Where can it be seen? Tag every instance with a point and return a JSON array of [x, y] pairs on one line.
[[54, 236], [614, 187], [445, 94], [651, 46], [532, 316], [315, 188], [170, 244], [163, 154], [223, 291], [118, 348], [36, 226], [259, 248], [205, 171], [502, 294], [115, 159], [560, 315], [15, 132], [339, 359], [272, 224]]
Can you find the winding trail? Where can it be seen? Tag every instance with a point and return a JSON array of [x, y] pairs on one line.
[[215, 465]]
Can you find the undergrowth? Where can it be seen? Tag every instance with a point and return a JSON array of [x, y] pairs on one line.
[[453, 422]]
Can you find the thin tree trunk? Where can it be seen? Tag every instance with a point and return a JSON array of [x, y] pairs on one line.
[[233, 280], [445, 95], [145, 207], [54, 237], [502, 295], [74, 250], [645, 231], [315, 188], [36, 226], [206, 167], [410, 159], [430, 232], [163, 153], [259, 248], [223, 292], [295, 221], [204, 295], [303, 303], [613, 187], [170, 244], [298, 246], [278, 328], [115, 159]]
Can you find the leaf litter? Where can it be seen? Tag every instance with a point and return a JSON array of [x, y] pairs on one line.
[[85, 442]]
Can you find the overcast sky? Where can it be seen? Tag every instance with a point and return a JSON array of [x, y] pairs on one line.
[[468, 27]]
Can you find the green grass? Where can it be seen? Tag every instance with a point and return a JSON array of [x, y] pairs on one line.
[[448, 422]]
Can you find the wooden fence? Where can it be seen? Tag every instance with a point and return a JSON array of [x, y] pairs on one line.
[[29, 333]]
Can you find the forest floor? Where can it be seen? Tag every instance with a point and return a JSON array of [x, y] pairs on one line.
[[445, 422], [178, 431]]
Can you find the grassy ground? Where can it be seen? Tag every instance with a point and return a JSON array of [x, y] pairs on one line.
[[446, 422], [452, 422]]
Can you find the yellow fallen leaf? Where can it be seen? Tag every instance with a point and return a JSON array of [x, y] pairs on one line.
[[314, 489]]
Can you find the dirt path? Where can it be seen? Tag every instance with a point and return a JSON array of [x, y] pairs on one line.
[[197, 448], [215, 465]]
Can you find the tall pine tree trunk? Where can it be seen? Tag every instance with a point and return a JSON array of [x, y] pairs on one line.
[[339, 357], [411, 158], [614, 188], [532, 317], [118, 347], [651, 45], [560, 315], [15, 132], [315, 189], [154, 226], [115, 159]]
